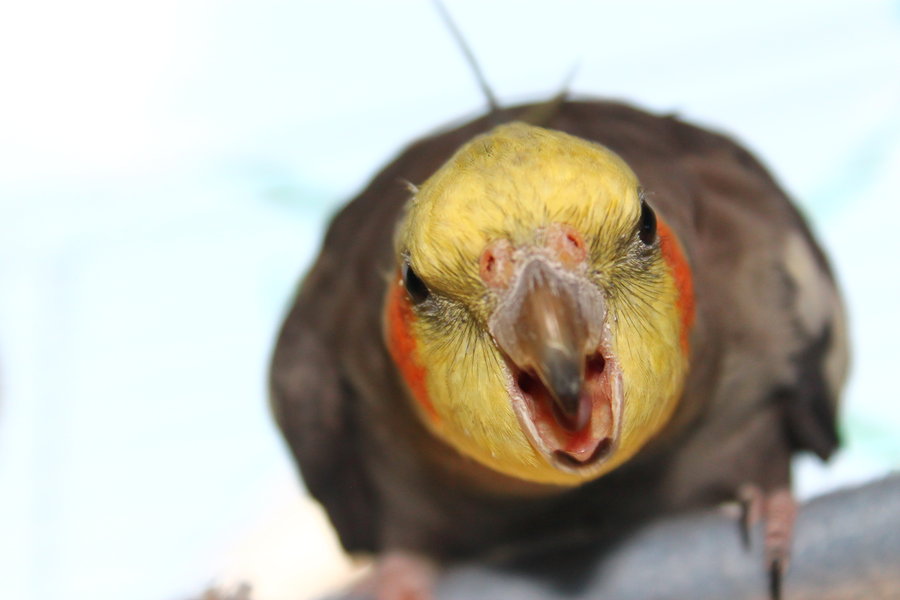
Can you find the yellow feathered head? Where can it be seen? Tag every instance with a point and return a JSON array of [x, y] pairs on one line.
[[540, 313]]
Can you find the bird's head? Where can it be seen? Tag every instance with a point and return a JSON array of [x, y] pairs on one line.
[[540, 311]]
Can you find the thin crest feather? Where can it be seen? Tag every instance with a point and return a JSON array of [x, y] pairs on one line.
[[469, 55]]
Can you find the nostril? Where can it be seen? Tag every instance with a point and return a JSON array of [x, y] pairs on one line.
[[496, 264], [566, 244], [487, 262]]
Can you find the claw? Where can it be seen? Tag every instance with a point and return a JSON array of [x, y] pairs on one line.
[[776, 574], [778, 509]]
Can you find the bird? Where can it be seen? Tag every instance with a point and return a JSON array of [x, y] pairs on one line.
[[558, 319]]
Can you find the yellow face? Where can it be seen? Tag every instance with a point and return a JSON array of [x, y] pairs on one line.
[[522, 229]]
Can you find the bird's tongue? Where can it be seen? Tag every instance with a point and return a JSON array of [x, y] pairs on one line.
[[573, 423], [578, 439], [581, 445]]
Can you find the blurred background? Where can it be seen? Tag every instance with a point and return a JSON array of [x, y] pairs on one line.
[[166, 171]]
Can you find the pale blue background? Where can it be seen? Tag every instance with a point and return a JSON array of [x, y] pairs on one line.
[[166, 169]]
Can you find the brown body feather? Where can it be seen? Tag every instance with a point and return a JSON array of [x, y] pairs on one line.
[[768, 356]]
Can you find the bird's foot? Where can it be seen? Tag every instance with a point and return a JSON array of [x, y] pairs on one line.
[[778, 509], [400, 575]]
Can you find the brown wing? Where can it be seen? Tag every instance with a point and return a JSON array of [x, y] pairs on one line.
[[313, 407]]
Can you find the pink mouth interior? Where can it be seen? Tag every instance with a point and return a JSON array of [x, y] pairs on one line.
[[580, 446]]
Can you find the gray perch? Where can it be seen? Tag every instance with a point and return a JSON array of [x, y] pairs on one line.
[[847, 547]]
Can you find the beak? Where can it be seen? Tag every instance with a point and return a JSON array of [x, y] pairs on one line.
[[548, 322]]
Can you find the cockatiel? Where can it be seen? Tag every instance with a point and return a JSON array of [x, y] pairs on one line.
[[556, 330]]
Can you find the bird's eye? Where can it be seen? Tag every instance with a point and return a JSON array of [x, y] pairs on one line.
[[415, 287], [647, 224]]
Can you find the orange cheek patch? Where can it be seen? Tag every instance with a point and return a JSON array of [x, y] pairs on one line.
[[681, 271], [402, 346]]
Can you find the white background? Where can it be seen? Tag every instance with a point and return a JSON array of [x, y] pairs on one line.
[[167, 167]]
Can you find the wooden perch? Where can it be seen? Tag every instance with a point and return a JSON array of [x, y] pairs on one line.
[[847, 547]]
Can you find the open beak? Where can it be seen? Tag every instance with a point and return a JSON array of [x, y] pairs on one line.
[[549, 322]]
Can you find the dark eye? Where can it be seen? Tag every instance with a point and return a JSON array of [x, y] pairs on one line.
[[415, 287], [647, 224]]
